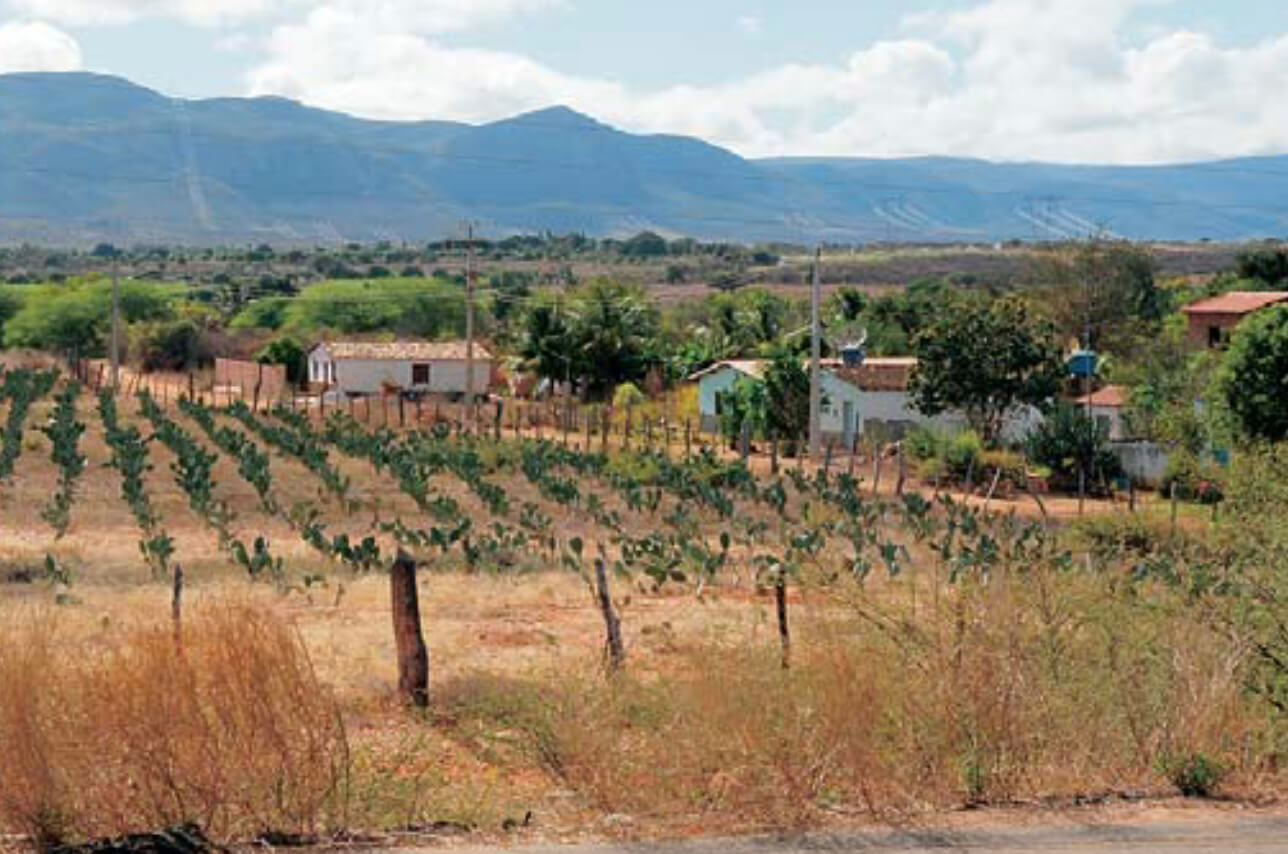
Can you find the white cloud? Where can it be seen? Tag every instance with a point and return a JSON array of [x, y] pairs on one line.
[[750, 25], [36, 46]]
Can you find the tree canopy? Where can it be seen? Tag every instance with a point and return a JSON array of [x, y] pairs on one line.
[[600, 335], [986, 359], [1254, 378]]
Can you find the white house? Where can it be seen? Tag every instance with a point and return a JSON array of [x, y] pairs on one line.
[[372, 367], [1108, 406], [859, 399]]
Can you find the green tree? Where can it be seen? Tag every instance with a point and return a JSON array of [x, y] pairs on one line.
[[1104, 290], [1268, 267], [76, 317], [786, 397], [286, 351], [600, 335], [1254, 378], [1069, 442], [744, 403], [986, 359]]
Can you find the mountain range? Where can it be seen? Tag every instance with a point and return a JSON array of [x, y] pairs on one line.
[[87, 157]]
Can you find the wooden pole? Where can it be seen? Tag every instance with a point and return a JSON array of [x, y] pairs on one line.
[[176, 604], [773, 455], [616, 650], [402, 411], [413, 657], [780, 606], [903, 471], [688, 440]]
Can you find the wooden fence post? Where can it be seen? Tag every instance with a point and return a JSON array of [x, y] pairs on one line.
[[605, 425], [876, 471], [612, 624], [402, 411], [773, 455], [259, 382], [499, 417], [903, 471], [413, 657], [744, 441], [688, 440]]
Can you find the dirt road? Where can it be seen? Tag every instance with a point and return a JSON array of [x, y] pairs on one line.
[[1253, 835]]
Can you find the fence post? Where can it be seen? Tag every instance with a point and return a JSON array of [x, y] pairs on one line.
[[605, 425], [626, 435], [876, 471], [586, 414], [903, 471], [402, 411], [413, 657], [259, 381], [688, 440], [500, 416], [827, 461], [744, 441], [773, 454], [192, 386]]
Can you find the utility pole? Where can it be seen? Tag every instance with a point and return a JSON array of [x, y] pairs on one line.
[[816, 354], [116, 323], [469, 327]]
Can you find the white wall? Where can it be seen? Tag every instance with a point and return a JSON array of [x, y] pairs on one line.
[[370, 376]]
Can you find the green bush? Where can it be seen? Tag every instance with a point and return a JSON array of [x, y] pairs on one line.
[[925, 443], [1195, 775], [1193, 479], [1068, 442], [962, 456], [169, 345], [285, 351]]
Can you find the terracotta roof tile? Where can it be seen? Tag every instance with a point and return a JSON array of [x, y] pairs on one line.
[[1109, 397], [1237, 302]]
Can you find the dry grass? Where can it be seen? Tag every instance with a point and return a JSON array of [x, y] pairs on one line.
[[131, 730], [904, 696], [1021, 690]]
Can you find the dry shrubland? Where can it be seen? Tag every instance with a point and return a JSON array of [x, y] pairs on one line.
[[228, 726]]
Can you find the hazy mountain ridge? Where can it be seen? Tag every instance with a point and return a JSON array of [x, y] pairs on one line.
[[87, 157]]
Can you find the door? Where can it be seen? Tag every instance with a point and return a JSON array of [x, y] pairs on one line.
[[847, 422]]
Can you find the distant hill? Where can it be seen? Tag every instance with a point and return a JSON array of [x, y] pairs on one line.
[[86, 157]]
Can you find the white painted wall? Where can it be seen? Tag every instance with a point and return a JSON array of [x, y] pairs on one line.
[[371, 376]]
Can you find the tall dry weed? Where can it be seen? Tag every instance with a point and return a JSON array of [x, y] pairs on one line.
[[230, 729], [1018, 686]]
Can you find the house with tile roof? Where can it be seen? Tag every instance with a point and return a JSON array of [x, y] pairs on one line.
[[406, 367], [1212, 321], [870, 397]]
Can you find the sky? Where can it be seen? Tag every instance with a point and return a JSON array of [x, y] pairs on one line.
[[1074, 81]]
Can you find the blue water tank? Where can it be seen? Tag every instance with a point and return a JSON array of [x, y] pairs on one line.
[[1084, 364]]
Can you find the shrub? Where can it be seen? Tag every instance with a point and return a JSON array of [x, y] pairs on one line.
[[173, 345], [1068, 442], [962, 455], [925, 443], [1193, 479], [231, 730], [1194, 775]]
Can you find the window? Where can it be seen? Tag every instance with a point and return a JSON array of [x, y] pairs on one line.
[[420, 374], [1214, 336]]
